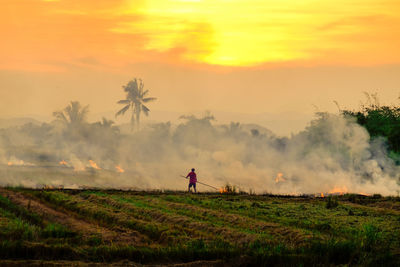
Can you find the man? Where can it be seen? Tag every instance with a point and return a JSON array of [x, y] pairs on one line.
[[192, 180]]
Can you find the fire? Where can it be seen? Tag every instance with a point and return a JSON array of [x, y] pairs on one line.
[[119, 169], [335, 191], [228, 189], [339, 190], [279, 178], [63, 162], [94, 165], [18, 162]]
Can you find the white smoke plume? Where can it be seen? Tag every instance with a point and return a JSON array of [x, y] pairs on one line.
[[333, 154]]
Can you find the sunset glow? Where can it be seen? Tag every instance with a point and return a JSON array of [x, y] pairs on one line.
[[217, 32], [85, 50]]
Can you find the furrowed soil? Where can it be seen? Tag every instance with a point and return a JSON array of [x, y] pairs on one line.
[[136, 228]]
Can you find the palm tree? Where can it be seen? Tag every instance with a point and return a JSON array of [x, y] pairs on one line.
[[135, 99], [73, 115]]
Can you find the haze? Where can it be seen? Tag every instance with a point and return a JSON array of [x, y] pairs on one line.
[[243, 58]]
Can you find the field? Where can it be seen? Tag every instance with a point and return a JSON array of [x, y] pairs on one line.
[[209, 229]]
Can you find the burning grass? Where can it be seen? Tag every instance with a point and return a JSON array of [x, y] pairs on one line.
[[156, 227]]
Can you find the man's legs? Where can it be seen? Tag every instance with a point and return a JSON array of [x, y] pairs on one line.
[[194, 187]]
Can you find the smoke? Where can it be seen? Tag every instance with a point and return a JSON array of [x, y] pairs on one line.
[[333, 153]]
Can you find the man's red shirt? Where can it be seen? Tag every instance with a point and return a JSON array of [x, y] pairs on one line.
[[193, 178]]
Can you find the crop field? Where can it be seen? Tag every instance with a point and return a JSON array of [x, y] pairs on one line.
[[78, 227]]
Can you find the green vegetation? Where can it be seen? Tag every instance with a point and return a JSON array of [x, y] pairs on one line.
[[156, 227], [380, 122]]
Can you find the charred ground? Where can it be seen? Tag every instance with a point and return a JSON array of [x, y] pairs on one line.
[[154, 227]]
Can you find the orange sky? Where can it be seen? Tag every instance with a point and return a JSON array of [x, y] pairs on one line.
[[39, 35], [200, 48]]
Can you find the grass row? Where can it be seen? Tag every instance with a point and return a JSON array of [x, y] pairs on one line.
[[22, 224], [345, 220], [265, 231], [372, 233], [184, 227], [159, 225]]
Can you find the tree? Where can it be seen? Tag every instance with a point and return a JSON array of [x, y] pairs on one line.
[[135, 99], [106, 125], [73, 115], [379, 121]]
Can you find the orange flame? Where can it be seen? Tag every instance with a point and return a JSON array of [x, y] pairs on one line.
[[94, 165], [322, 194], [279, 178], [63, 162], [119, 169], [339, 190], [19, 163], [223, 190]]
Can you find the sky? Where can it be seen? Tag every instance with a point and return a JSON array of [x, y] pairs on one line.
[[238, 56]]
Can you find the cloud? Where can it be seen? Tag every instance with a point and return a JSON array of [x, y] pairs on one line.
[[227, 33], [38, 33]]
